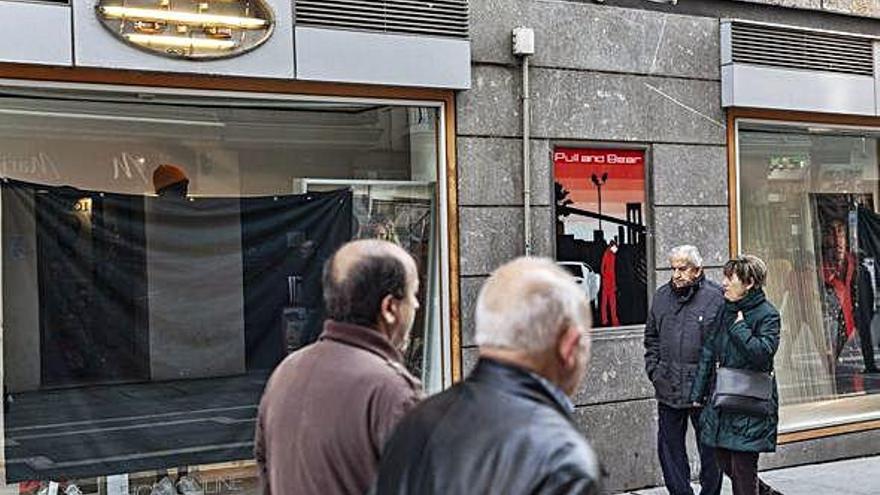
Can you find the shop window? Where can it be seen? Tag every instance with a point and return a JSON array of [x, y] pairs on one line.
[[601, 229], [808, 198], [160, 259]]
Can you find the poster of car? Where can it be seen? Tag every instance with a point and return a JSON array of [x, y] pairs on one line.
[[600, 229]]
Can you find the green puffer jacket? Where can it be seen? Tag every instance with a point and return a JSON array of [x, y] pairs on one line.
[[749, 344]]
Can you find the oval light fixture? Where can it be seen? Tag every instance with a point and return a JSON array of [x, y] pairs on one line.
[[189, 29]]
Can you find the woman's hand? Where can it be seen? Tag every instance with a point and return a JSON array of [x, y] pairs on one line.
[[739, 316]]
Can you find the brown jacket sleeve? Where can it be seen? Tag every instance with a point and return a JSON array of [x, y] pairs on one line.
[[391, 401]]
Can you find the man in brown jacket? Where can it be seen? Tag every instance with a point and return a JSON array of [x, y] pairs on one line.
[[328, 408]]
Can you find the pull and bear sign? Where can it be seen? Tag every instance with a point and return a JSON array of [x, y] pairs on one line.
[[598, 156]]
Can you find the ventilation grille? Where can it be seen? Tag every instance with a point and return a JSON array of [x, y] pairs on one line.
[[430, 17], [801, 49]]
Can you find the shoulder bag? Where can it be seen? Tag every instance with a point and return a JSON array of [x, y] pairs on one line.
[[743, 391]]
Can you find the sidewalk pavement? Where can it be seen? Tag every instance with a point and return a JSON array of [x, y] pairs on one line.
[[849, 477]]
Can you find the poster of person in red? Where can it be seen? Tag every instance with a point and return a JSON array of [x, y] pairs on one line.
[[600, 229], [846, 247]]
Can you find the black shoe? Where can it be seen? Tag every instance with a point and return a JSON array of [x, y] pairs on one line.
[[765, 489]]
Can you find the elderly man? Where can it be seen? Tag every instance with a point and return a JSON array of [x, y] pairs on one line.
[[508, 427], [680, 316], [328, 408]]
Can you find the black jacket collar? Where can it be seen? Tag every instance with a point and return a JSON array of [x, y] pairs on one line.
[[685, 294], [515, 381]]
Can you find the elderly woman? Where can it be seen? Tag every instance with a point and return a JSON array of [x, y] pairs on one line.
[[742, 345]]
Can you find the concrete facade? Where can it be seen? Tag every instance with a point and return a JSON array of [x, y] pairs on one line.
[[633, 73]]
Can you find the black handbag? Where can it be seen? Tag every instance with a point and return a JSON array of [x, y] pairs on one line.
[[743, 391]]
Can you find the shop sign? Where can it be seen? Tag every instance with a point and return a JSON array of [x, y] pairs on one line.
[[599, 156], [199, 30]]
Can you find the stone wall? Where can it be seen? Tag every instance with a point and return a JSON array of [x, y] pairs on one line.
[[609, 74], [600, 74], [861, 8]]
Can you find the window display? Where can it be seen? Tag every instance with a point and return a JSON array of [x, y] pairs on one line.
[[160, 260], [809, 202]]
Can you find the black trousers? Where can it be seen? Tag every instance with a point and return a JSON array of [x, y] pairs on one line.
[[672, 451], [742, 469], [867, 343]]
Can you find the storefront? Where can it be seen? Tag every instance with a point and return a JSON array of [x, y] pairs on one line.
[[804, 175], [163, 234], [807, 203]]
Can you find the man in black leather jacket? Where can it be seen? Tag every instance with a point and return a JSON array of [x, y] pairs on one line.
[[680, 316], [508, 428]]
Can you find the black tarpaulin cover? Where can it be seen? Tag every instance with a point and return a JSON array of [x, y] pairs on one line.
[[139, 331]]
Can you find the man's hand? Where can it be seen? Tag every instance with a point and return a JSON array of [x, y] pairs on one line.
[[696, 404], [739, 316]]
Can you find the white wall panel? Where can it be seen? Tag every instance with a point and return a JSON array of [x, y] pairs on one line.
[[373, 58], [801, 90], [35, 33]]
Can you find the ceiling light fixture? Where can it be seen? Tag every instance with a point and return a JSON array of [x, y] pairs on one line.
[[188, 18], [179, 42]]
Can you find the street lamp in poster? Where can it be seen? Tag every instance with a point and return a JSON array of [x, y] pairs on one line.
[[600, 229]]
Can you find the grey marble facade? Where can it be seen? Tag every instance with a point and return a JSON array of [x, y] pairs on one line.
[[860, 8], [624, 436], [604, 74], [690, 175]]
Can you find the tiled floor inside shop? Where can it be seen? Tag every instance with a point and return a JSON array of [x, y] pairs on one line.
[[83, 432]]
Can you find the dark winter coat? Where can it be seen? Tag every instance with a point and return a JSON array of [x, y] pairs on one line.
[[674, 335], [749, 344], [500, 431]]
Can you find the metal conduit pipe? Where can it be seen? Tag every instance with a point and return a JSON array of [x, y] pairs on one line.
[[524, 47], [526, 152]]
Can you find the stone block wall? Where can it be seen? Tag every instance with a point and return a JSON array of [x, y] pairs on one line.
[[624, 72], [600, 74]]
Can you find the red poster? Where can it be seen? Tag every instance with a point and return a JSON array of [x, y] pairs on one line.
[[600, 229]]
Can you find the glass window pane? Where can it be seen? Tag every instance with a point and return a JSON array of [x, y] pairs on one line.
[[809, 203], [159, 259]]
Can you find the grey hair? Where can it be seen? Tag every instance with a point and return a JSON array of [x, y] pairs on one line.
[[526, 304], [688, 252]]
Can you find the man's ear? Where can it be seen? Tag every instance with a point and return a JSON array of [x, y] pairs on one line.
[[569, 346], [388, 310]]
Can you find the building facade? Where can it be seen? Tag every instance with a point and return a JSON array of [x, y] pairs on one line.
[[750, 119], [138, 330]]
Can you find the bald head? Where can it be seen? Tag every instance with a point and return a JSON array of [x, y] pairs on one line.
[[526, 304], [361, 275]]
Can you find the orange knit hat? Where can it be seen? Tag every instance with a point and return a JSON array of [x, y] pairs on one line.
[[166, 175]]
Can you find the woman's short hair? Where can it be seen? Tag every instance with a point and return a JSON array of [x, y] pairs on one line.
[[748, 268]]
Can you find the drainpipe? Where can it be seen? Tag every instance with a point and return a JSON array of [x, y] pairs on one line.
[[524, 47]]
